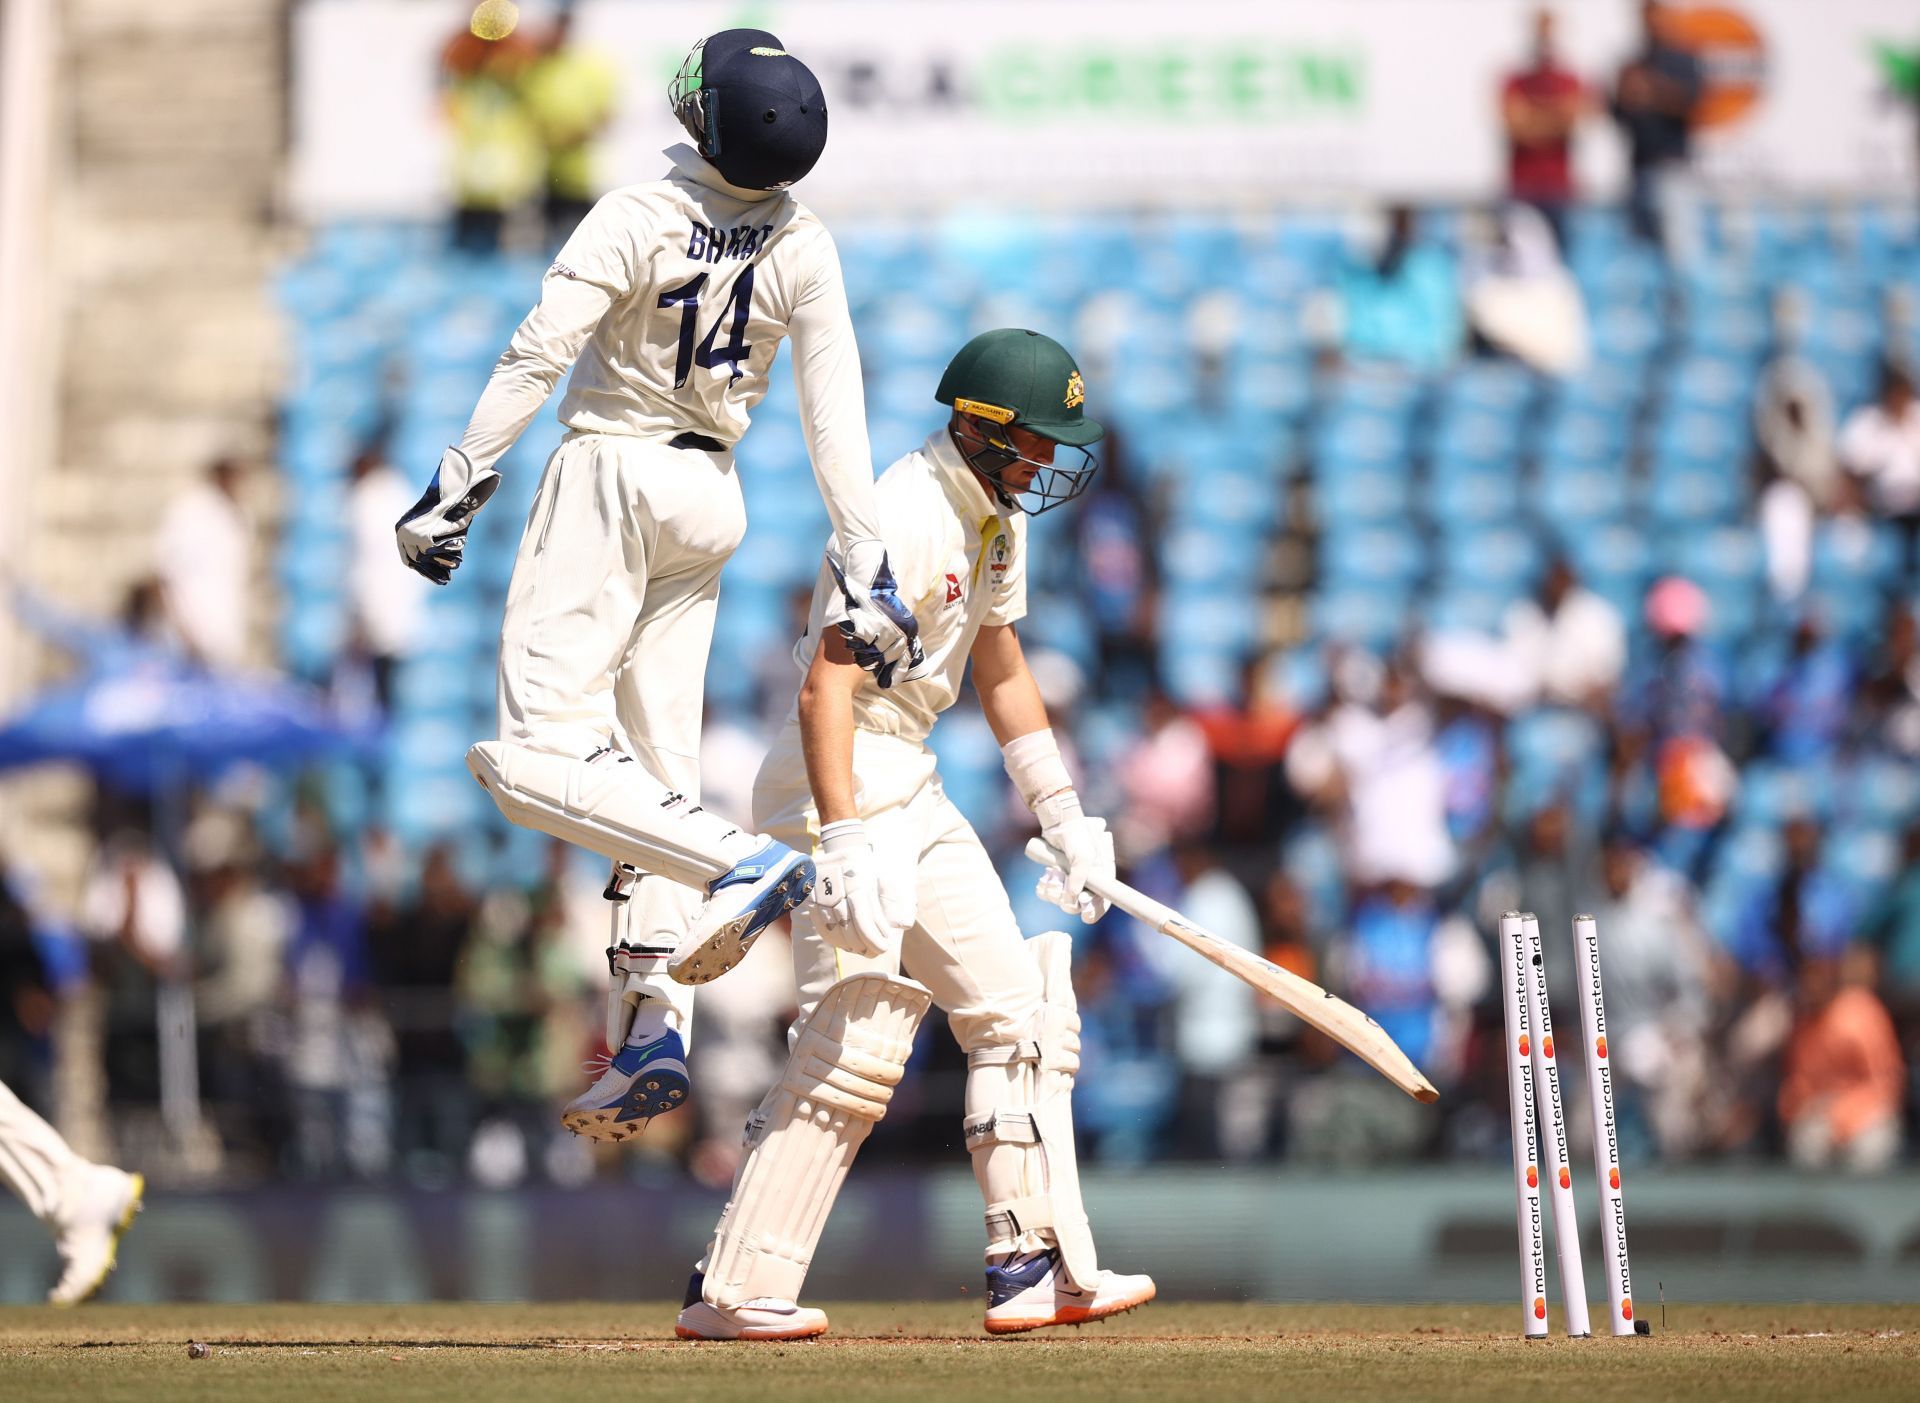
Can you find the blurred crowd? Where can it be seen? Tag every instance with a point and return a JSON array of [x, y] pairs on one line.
[[1737, 802]]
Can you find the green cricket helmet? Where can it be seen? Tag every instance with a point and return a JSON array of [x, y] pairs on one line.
[[1013, 378]]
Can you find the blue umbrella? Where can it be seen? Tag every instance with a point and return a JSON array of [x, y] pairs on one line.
[[160, 723]]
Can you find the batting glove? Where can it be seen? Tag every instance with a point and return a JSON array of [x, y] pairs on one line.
[[855, 907], [1087, 849], [433, 533]]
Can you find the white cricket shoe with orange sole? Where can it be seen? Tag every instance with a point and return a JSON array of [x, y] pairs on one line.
[[1033, 1292]]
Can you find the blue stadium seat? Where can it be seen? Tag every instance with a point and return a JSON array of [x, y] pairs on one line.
[[1391, 554], [1465, 498], [1570, 496], [1372, 618], [1350, 494], [1850, 554], [1504, 561]]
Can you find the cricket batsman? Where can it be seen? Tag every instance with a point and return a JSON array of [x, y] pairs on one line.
[[668, 303], [902, 881]]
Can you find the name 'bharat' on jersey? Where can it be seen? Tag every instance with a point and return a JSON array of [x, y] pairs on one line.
[[667, 305]]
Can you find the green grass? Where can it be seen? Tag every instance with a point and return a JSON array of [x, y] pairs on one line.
[[933, 1353]]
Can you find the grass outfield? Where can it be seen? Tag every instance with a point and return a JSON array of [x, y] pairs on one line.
[[933, 1353]]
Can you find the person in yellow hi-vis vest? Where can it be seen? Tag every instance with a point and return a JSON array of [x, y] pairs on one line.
[[497, 153], [569, 94]]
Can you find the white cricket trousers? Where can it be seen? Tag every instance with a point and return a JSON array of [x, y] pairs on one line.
[[965, 945], [609, 620], [34, 1160]]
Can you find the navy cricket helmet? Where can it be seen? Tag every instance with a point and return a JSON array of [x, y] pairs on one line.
[[753, 109]]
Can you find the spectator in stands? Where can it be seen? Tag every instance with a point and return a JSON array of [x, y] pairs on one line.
[[1653, 102], [1807, 913], [1803, 707], [1216, 1021], [1403, 308], [241, 929], [1521, 301], [1784, 514], [1880, 446], [497, 155], [1114, 526], [26, 996], [1540, 108], [1889, 703], [1793, 423], [569, 91], [1248, 741], [1166, 778], [203, 556], [387, 609], [1567, 643], [133, 912], [414, 953], [338, 1052], [1375, 760], [1843, 1076]]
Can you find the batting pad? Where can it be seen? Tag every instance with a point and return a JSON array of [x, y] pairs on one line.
[[1020, 1126], [847, 1059], [610, 805]]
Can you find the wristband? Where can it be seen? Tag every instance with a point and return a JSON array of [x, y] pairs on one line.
[[1034, 765], [842, 834]]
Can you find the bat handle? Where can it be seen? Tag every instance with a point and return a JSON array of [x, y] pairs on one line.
[[1044, 853]]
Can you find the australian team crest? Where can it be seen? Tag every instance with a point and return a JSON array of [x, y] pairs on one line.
[[999, 554], [1076, 391]]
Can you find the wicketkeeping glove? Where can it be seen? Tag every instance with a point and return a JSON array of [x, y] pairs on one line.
[[433, 533], [858, 907], [880, 629]]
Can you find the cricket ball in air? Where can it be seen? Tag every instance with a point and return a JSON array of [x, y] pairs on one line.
[[494, 19]]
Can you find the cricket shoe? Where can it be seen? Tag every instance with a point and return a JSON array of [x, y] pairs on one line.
[[763, 1318], [638, 1084], [1034, 1291], [741, 904], [98, 1205]]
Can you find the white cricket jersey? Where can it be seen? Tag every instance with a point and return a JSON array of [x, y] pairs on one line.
[[960, 560], [669, 302]]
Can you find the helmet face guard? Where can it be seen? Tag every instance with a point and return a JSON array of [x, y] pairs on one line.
[[693, 104], [990, 451]]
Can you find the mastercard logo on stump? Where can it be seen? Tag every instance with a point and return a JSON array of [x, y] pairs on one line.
[[1600, 1048], [1539, 1307], [1533, 1177], [1566, 1179], [1626, 1310], [1546, 1046], [1523, 1045], [1613, 1177]]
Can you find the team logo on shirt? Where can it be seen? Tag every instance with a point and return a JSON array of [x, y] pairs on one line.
[[955, 592], [999, 554], [1076, 391]]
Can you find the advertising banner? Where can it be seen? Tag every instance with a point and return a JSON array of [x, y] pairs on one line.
[[1205, 103]]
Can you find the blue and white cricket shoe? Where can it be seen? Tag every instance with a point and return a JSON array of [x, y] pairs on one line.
[[741, 904], [639, 1083], [1033, 1291]]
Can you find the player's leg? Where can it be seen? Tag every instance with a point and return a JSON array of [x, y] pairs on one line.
[[1011, 1005], [848, 1053], [649, 1016], [847, 1050], [85, 1206], [580, 586]]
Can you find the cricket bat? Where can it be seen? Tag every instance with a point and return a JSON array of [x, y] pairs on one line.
[[1306, 1000]]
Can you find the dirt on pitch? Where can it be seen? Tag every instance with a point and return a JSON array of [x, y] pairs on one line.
[[925, 1353]]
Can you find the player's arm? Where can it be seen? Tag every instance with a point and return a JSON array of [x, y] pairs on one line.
[[858, 905], [1010, 699], [826, 728], [833, 414], [596, 267]]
